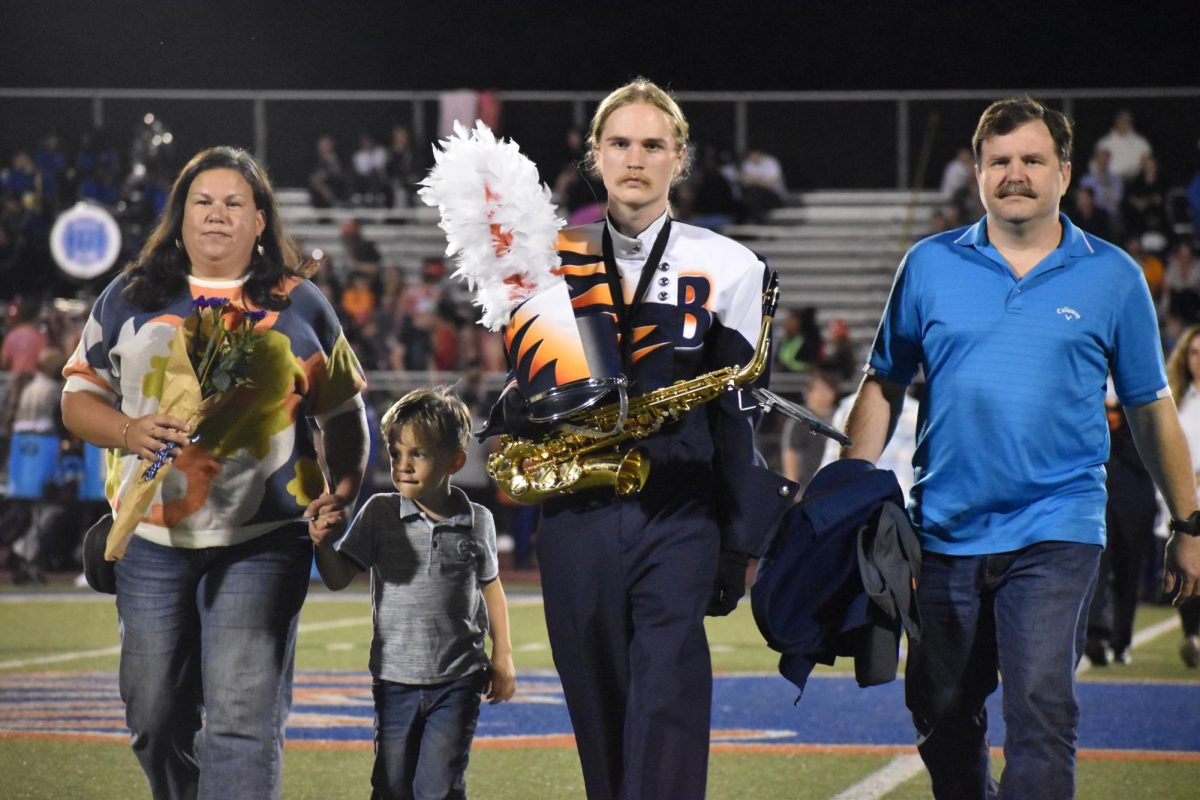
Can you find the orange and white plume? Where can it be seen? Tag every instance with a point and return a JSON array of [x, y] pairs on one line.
[[501, 225]]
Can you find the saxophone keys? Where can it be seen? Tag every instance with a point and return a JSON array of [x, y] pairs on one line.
[[570, 472], [545, 478]]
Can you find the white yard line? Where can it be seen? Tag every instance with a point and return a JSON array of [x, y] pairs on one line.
[[1154, 631], [59, 658], [55, 659], [349, 622], [880, 782], [903, 768], [1140, 638]]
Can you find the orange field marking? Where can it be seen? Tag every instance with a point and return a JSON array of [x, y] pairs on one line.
[[567, 741]]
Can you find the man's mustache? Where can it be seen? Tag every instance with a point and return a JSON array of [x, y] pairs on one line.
[[1022, 189]]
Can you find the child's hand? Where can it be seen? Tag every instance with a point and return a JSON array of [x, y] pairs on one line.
[[329, 519], [502, 680], [327, 528]]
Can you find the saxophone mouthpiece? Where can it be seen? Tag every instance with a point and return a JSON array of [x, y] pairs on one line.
[[771, 296]]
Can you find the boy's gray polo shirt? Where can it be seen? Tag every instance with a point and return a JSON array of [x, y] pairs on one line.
[[426, 578]]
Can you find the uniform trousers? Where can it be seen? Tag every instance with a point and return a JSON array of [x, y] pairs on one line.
[[625, 585]]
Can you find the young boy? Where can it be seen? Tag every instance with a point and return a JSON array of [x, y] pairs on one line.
[[430, 550]]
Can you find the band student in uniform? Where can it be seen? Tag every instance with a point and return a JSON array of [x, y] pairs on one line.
[[1017, 321], [627, 580]]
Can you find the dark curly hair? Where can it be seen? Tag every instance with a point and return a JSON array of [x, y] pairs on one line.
[[161, 269]]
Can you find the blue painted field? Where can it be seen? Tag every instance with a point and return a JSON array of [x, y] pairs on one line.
[[334, 707]]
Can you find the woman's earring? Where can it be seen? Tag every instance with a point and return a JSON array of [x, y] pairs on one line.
[[178, 244], [258, 248]]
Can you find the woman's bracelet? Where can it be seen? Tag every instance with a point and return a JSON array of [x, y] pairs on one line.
[[125, 434]]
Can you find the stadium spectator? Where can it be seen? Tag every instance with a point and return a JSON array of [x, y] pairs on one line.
[[52, 163], [87, 155], [1181, 283], [578, 191], [370, 341], [938, 223], [358, 299], [958, 175], [1107, 187], [36, 438], [897, 456], [1193, 199], [445, 338], [103, 184], [714, 202], [1126, 146], [1090, 217], [1183, 375], [1129, 525], [1145, 198], [403, 167], [328, 182], [1152, 266], [801, 449], [799, 344], [25, 339], [21, 179], [418, 308], [362, 257], [371, 183], [838, 357], [762, 184], [966, 205]]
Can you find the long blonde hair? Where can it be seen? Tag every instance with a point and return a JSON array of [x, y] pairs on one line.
[[641, 90], [1179, 377]]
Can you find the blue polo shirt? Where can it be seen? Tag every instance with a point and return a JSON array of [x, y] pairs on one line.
[[1011, 434]]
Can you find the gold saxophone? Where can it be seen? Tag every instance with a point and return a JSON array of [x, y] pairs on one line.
[[576, 457]]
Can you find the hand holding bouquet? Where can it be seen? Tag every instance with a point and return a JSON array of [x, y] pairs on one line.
[[208, 358]]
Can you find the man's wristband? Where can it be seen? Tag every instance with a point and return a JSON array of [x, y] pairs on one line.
[[1189, 526]]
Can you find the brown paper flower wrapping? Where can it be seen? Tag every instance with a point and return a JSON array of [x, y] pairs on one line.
[[180, 398]]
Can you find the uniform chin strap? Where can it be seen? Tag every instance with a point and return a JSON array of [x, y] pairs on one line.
[[772, 402]]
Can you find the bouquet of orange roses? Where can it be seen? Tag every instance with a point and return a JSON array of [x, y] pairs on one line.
[[208, 358]]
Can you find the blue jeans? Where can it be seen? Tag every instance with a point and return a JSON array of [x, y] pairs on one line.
[[1023, 613], [423, 738], [208, 641]]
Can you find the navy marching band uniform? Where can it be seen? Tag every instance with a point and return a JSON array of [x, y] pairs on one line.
[[627, 581]]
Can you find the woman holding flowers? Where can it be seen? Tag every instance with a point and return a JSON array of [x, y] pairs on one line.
[[211, 581]]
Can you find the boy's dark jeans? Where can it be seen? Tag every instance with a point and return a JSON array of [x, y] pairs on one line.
[[423, 738]]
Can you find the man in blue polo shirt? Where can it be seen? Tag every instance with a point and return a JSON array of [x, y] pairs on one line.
[[1017, 321]]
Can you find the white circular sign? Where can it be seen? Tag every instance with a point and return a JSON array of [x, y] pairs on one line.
[[85, 240]]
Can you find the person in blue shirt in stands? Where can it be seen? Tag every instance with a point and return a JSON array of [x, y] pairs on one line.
[[1017, 321]]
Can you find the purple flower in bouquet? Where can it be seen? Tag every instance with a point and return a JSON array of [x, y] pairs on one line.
[[220, 340]]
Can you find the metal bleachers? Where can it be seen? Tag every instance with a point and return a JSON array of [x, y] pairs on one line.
[[838, 250], [834, 250]]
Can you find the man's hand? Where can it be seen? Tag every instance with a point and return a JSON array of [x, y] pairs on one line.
[[1181, 573], [730, 584]]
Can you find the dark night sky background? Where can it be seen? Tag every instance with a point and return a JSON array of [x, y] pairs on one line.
[[593, 47], [572, 45]]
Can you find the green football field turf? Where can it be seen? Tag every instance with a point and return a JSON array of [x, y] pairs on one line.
[[57, 631]]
